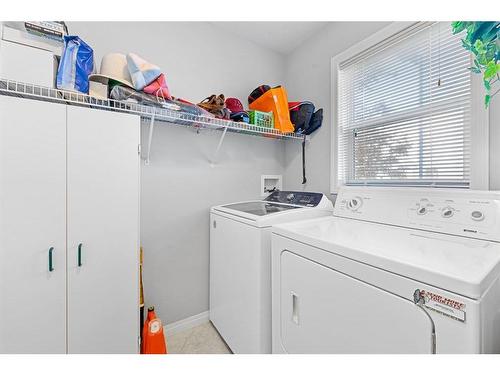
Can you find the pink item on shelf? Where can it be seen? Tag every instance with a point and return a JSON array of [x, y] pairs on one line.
[[158, 88]]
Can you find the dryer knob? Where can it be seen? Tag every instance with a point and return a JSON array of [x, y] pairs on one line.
[[422, 210], [290, 196], [354, 203], [447, 212], [477, 215]]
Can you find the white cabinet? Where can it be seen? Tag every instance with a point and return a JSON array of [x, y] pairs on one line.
[[103, 221], [69, 180], [32, 221]]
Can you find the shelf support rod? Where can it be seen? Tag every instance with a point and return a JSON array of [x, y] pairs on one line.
[[219, 145], [150, 139]]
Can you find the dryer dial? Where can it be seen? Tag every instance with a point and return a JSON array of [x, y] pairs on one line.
[[422, 210], [447, 212], [354, 203], [477, 215]]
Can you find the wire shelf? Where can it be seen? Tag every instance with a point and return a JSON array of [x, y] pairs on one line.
[[31, 91]]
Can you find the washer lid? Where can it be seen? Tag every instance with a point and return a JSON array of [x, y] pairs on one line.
[[461, 265]]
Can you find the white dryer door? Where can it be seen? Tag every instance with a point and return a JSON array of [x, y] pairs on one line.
[[326, 311]]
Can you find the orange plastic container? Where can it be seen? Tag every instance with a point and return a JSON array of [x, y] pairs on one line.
[[275, 100], [153, 339]]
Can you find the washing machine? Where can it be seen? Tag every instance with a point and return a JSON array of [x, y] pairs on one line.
[[392, 271], [240, 264]]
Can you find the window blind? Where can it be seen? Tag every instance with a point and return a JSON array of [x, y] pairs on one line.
[[404, 111]]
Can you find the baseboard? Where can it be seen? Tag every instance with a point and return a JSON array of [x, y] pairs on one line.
[[185, 324]]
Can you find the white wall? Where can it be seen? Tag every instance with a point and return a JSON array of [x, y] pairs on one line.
[[308, 78], [495, 142], [179, 186]]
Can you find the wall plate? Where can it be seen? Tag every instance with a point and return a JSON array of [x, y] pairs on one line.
[[270, 183]]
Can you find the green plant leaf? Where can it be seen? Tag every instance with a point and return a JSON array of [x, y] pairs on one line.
[[491, 70], [473, 69], [470, 27], [484, 31], [487, 99], [491, 50], [482, 40], [458, 26], [479, 46], [466, 45], [482, 59]]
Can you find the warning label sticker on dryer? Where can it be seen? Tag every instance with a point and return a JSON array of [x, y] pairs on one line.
[[441, 304]]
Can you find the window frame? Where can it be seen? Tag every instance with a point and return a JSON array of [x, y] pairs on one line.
[[479, 132]]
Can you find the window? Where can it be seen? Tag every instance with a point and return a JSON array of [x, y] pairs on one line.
[[404, 111]]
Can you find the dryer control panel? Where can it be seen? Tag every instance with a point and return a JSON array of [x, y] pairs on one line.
[[469, 213], [299, 198]]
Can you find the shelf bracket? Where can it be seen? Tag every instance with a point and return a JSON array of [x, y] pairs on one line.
[[150, 139], [219, 145]]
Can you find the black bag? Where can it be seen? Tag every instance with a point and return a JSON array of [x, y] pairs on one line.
[[303, 117], [301, 114], [315, 123]]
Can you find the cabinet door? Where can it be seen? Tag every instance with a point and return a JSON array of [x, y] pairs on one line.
[[32, 221], [325, 311], [103, 231]]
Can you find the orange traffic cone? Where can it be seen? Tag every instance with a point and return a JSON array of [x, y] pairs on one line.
[[153, 340]]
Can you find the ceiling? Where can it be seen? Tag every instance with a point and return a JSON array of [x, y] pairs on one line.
[[282, 37]]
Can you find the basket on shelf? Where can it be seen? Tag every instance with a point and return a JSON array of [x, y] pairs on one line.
[[262, 119]]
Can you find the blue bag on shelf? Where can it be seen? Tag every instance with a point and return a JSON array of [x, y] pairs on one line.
[[77, 63]]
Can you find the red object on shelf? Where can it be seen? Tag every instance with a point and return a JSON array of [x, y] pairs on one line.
[[153, 339], [234, 105], [158, 88]]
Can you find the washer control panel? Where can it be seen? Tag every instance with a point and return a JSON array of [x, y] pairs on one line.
[[299, 198], [454, 211]]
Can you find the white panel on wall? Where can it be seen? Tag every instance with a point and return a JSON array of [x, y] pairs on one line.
[[494, 122]]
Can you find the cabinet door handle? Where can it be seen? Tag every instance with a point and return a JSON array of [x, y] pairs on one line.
[[80, 255], [295, 308], [51, 264]]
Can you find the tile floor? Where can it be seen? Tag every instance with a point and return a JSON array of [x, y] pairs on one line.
[[202, 339]]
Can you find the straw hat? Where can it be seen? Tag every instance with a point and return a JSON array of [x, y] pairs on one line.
[[113, 66]]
